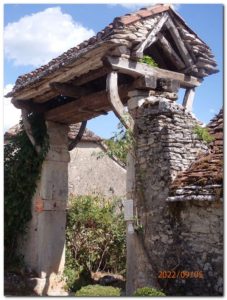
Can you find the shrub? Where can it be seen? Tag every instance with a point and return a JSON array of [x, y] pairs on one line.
[[146, 59], [148, 291], [120, 144], [98, 290], [203, 134], [95, 239]]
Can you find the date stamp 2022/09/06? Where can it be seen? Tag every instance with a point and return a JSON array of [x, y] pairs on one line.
[[180, 274]]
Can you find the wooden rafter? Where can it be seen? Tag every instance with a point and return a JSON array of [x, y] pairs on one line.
[[152, 36], [115, 101], [179, 43], [170, 52]]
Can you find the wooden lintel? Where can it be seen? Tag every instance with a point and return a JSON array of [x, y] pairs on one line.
[[92, 75], [180, 44], [169, 51], [137, 69], [152, 36], [70, 90], [85, 107], [115, 101], [88, 110], [29, 106]]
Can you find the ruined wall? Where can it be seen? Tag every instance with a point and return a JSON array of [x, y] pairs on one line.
[[91, 171], [175, 236]]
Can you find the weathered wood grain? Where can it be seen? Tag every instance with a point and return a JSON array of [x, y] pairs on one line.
[[115, 101], [137, 69]]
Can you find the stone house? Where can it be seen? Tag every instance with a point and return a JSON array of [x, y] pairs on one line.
[[91, 170]]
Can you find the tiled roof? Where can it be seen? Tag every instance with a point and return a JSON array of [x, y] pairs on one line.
[[207, 170], [70, 56], [11, 132], [88, 135]]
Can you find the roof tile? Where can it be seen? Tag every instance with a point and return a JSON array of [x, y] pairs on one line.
[[72, 54], [208, 168]]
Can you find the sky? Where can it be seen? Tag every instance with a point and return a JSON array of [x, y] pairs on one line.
[[36, 33]]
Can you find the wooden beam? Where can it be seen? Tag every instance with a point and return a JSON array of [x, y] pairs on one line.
[[85, 107], [70, 90], [179, 43], [152, 36], [115, 101], [189, 98], [137, 69], [90, 76], [170, 53]]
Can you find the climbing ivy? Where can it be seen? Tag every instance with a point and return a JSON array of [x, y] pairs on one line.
[[22, 166]]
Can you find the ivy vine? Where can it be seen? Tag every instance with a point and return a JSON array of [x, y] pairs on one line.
[[22, 167]]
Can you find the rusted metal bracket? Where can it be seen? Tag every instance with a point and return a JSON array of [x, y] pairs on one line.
[[115, 101], [77, 139]]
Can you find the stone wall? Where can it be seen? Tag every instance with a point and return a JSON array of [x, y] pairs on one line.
[[91, 171], [176, 236]]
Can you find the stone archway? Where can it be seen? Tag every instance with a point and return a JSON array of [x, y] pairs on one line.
[[100, 75]]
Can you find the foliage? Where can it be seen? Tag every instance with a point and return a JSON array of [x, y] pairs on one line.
[[22, 167], [95, 239], [98, 290], [146, 59], [203, 134], [148, 291], [120, 144]]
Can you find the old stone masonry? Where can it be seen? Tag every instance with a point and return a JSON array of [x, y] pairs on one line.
[[179, 248]]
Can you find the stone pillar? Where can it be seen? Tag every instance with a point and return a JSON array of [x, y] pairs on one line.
[[165, 144], [44, 245]]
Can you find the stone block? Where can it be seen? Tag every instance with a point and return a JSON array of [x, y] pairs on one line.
[[51, 242], [54, 181]]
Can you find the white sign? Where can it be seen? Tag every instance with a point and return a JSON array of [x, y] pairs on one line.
[[128, 209]]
